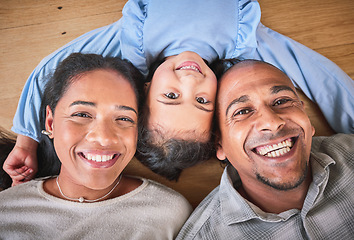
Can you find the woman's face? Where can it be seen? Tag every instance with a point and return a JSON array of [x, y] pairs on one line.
[[94, 129], [181, 97]]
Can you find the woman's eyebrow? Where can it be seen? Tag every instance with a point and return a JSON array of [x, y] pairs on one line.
[[124, 107], [118, 107], [82, 103]]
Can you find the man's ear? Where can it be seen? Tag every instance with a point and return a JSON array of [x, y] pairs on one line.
[[220, 154], [49, 121], [313, 128]]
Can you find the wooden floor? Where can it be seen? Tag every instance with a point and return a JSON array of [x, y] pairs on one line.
[[31, 29]]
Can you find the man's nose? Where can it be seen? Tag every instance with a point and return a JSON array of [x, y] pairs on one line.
[[269, 120]]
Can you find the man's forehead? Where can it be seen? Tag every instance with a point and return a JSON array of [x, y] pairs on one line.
[[245, 73]]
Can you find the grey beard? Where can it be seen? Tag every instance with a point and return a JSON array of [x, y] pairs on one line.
[[283, 186]]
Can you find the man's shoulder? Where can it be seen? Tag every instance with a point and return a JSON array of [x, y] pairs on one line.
[[209, 207], [336, 144]]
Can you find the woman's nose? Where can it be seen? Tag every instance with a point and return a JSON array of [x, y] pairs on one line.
[[103, 133]]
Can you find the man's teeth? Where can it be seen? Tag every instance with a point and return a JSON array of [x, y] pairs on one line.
[[276, 150], [190, 67], [98, 158]]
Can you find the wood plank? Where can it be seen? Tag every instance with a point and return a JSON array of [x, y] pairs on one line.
[[30, 30], [325, 26], [27, 39], [19, 13]]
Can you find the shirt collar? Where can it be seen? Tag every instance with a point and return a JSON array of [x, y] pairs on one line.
[[234, 208]]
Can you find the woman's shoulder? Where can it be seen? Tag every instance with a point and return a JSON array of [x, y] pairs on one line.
[[21, 191], [153, 190]]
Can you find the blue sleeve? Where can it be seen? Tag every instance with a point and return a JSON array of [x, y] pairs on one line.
[[120, 39], [320, 79], [105, 41]]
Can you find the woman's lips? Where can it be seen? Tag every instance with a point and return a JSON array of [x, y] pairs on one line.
[[99, 160]]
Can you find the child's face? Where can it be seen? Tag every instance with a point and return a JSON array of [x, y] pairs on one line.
[[181, 97], [94, 129]]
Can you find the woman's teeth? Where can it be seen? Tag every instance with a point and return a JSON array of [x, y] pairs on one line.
[[276, 150], [98, 158]]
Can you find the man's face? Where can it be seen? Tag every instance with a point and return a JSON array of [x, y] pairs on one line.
[[264, 130]]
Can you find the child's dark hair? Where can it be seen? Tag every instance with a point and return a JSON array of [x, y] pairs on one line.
[[169, 156]]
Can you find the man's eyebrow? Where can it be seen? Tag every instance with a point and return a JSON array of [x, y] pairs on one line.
[[241, 99], [276, 89]]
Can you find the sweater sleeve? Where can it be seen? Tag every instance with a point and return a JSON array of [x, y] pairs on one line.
[[319, 78]]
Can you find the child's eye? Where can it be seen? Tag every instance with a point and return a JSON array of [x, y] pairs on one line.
[[201, 100], [172, 95]]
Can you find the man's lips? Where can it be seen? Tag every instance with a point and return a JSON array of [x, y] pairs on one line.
[[189, 66], [277, 149]]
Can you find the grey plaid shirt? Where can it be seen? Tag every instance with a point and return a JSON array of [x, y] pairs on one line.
[[327, 213]]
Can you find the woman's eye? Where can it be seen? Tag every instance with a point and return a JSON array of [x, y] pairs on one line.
[[172, 95], [125, 119], [201, 100]]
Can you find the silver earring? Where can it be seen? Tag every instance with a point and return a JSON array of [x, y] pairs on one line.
[[45, 132]]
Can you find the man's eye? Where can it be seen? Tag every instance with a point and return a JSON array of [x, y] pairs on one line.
[[281, 101], [242, 112], [83, 115], [201, 100], [172, 95]]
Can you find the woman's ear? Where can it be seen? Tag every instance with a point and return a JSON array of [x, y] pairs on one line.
[[49, 121], [147, 87]]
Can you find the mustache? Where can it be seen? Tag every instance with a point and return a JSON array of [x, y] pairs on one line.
[[265, 138]]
